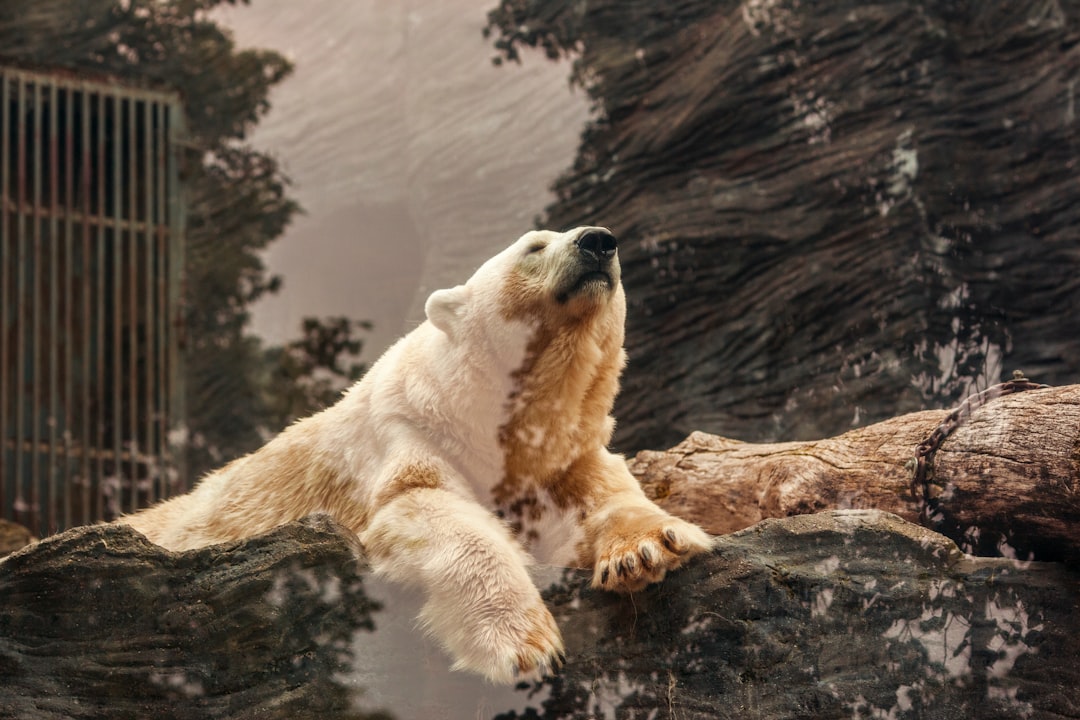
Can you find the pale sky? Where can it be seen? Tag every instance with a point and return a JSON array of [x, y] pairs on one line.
[[414, 156]]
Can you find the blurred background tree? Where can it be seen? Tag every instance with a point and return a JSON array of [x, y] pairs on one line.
[[237, 203], [309, 373]]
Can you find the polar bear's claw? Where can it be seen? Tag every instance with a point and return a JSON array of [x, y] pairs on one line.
[[635, 551], [526, 651]]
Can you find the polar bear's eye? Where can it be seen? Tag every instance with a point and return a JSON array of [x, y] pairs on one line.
[[535, 248]]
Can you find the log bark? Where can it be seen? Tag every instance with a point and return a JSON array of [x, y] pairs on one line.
[[843, 614], [1006, 482]]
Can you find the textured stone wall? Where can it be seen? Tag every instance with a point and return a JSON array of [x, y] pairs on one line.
[[845, 614], [831, 212]]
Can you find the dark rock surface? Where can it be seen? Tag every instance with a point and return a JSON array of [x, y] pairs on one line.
[[846, 614], [99, 623], [836, 615], [831, 213]]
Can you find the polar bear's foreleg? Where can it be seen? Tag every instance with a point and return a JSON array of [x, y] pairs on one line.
[[482, 606], [632, 542]]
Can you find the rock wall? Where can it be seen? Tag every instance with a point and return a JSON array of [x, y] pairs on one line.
[[845, 614], [99, 623], [831, 213]]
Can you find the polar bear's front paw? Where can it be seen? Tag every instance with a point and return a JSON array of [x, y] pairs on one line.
[[521, 644], [541, 650], [638, 547]]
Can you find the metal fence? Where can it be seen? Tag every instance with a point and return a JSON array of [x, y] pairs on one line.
[[91, 251]]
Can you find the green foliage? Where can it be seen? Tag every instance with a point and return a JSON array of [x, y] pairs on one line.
[[553, 26], [238, 205], [172, 44], [309, 373], [236, 198]]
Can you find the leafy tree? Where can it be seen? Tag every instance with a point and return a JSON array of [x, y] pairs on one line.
[[309, 373], [237, 391]]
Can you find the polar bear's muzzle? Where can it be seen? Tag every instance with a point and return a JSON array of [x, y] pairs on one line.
[[594, 271]]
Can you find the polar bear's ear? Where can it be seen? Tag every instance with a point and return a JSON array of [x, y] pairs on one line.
[[444, 308]]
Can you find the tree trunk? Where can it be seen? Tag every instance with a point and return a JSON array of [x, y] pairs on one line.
[[1006, 481]]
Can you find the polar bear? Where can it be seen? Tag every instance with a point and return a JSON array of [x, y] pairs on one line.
[[475, 443]]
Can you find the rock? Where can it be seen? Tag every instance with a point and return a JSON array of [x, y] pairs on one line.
[[844, 614], [97, 622], [839, 614], [829, 213]]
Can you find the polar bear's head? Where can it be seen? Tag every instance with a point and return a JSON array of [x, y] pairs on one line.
[[545, 279], [541, 326]]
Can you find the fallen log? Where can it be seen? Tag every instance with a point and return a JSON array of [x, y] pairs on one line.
[[846, 613], [1006, 481]]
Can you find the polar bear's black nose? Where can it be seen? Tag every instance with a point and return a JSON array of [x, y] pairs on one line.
[[597, 243]]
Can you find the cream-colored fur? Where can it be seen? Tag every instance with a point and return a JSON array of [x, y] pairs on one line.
[[476, 439]]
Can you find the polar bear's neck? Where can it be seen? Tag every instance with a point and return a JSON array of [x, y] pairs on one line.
[[560, 407], [453, 394], [511, 411]]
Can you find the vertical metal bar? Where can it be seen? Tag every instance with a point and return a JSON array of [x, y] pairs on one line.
[[177, 222], [160, 277], [116, 388], [49, 477], [133, 304], [58, 336], [35, 327], [20, 293], [6, 495], [100, 388], [149, 358], [69, 306], [88, 316]]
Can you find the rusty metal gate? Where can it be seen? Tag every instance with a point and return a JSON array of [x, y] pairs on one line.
[[91, 252]]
